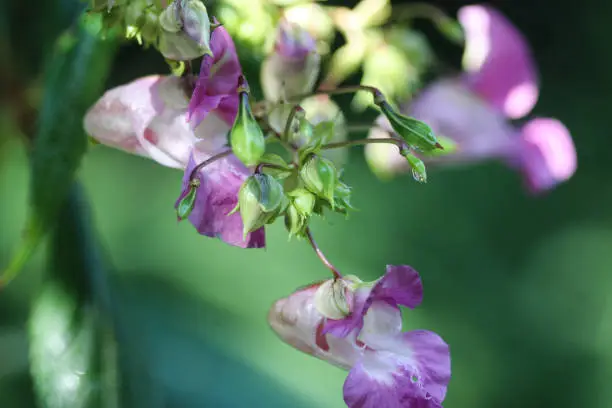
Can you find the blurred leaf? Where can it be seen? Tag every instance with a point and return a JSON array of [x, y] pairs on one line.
[[70, 340], [74, 79]]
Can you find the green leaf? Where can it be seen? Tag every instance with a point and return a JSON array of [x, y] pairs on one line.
[[72, 347], [75, 77]]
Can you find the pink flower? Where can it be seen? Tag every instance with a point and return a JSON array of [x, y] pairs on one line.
[[216, 89], [148, 117], [388, 368], [499, 83]]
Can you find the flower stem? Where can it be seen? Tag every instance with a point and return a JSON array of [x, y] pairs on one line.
[[294, 111], [262, 166], [321, 255], [359, 142], [376, 94], [209, 161]]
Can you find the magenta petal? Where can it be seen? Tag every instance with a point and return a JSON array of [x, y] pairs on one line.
[[431, 357], [497, 60], [548, 155], [217, 82], [401, 285], [383, 379], [215, 199]]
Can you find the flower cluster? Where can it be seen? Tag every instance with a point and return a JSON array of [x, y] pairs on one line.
[[247, 163]]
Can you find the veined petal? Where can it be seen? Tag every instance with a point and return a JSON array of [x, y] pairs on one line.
[[498, 61], [217, 84], [145, 117], [296, 320], [548, 155], [408, 370], [217, 196]]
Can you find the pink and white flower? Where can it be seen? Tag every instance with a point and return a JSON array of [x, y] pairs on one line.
[[358, 326], [149, 117]]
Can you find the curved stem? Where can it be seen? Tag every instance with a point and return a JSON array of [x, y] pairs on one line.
[[262, 166], [209, 161], [321, 255]]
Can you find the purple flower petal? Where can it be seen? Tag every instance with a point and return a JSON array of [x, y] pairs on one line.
[[453, 111], [411, 370], [548, 154], [216, 197], [497, 60], [217, 84], [401, 285]]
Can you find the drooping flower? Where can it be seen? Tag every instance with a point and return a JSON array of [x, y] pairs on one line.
[[292, 68], [216, 88], [148, 117], [499, 84], [358, 326]]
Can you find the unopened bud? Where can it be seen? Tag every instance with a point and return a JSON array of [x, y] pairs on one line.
[[185, 30], [319, 176], [331, 299], [295, 222], [303, 201], [293, 67], [246, 137], [414, 132], [259, 200], [187, 201], [417, 166]]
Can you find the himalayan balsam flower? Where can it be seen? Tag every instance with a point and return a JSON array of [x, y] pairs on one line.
[[148, 117], [358, 326], [498, 84]]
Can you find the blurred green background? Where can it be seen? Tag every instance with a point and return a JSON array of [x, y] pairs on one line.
[[520, 287]]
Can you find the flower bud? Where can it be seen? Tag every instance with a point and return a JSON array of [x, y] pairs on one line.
[[246, 137], [185, 30], [187, 201], [293, 67], [295, 222], [414, 132], [303, 201], [331, 300], [417, 166], [319, 176], [260, 199]]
